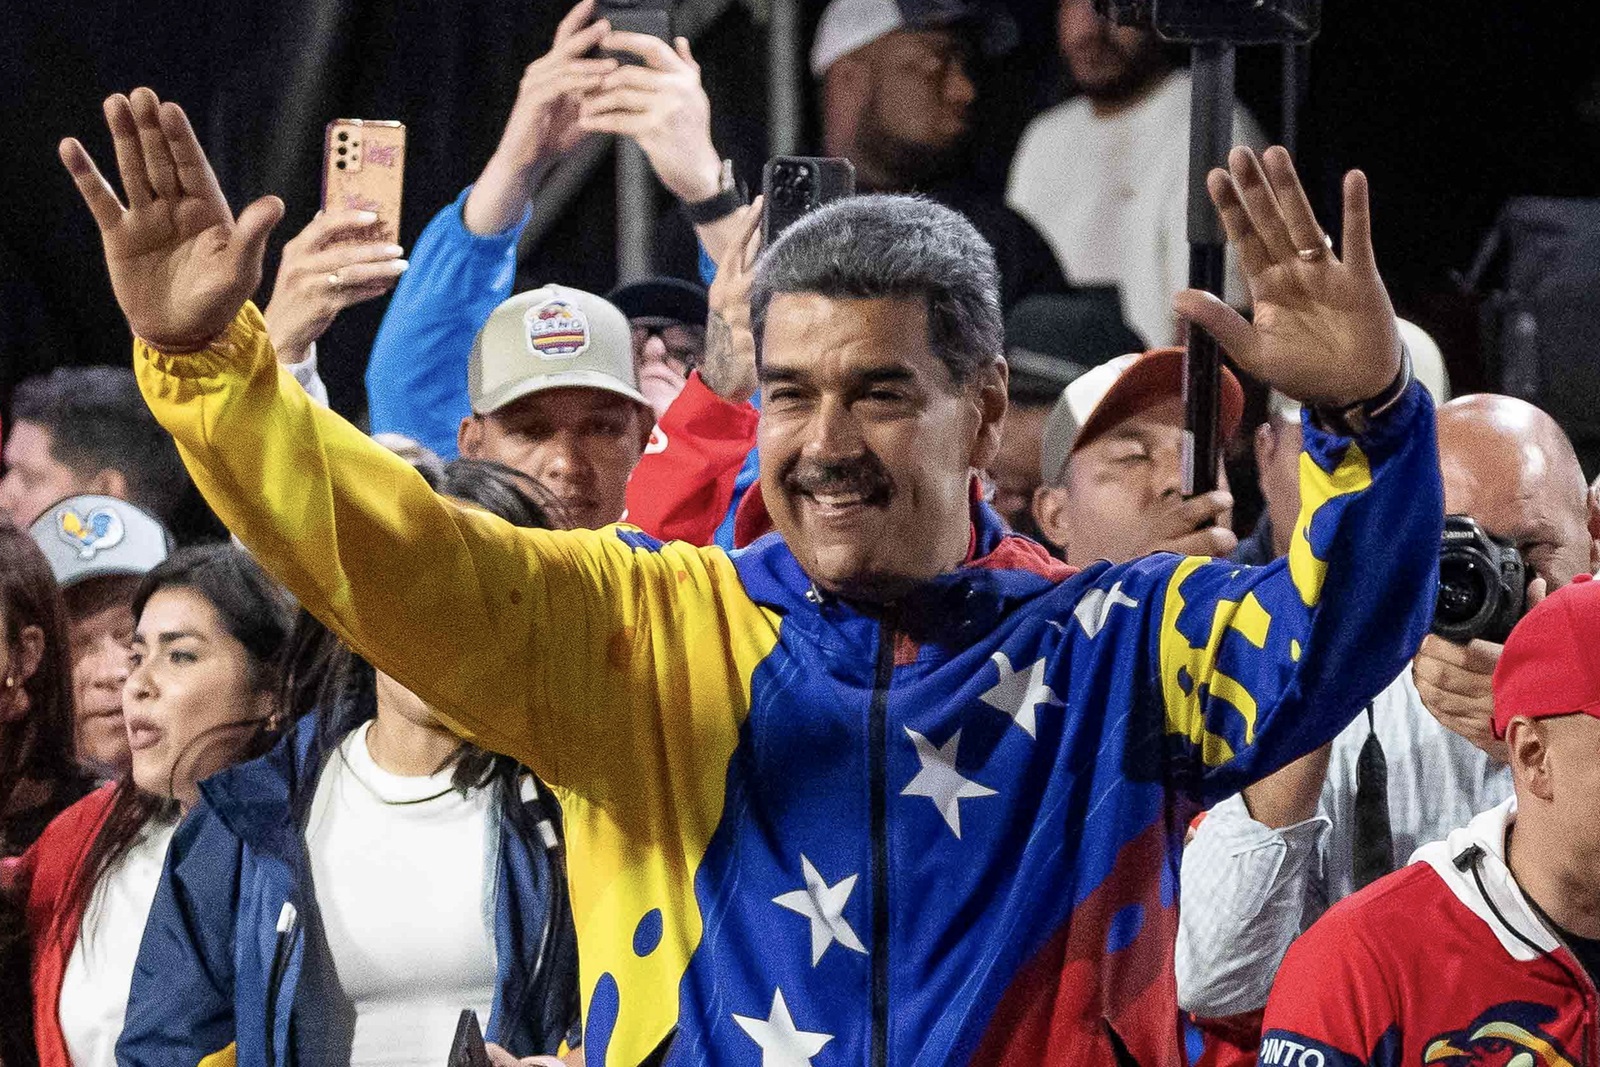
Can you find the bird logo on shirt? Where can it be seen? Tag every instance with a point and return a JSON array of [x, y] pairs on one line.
[[1507, 1035]]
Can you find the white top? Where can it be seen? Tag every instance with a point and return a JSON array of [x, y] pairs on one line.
[[94, 989], [406, 900], [1248, 891], [1111, 196]]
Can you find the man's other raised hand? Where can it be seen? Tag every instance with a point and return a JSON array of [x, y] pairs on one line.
[[181, 265], [1324, 330]]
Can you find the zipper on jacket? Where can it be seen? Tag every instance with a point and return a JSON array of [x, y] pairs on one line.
[[878, 756], [282, 946]]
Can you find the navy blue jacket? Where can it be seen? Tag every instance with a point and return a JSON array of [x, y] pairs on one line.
[[226, 945]]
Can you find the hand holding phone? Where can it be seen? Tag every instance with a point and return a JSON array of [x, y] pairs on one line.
[[792, 186], [363, 169]]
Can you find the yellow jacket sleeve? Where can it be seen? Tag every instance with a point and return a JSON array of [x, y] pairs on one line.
[[552, 646]]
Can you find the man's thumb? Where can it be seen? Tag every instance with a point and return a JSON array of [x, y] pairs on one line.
[[1233, 333], [255, 225]]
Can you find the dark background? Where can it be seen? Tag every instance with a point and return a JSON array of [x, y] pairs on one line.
[[1449, 107]]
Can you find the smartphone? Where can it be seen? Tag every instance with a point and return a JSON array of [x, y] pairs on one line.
[[363, 169], [795, 185], [650, 17], [467, 1049]]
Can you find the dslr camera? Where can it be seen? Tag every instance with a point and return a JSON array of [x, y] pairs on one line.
[[1483, 584]]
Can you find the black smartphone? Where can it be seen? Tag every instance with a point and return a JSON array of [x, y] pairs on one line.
[[650, 17], [795, 185], [467, 1049]]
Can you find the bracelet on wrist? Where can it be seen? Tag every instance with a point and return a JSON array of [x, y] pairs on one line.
[[1355, 419], [725, 201]]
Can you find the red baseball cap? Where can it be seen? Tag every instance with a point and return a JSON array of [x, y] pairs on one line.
[[1102, 397], [1551, 662]]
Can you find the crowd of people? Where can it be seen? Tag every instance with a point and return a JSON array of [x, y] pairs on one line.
[[817, 661]]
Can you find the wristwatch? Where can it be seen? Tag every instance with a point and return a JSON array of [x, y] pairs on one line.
[[727, 199], [1355, 419]]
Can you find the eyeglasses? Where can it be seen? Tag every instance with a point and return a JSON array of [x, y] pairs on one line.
[[684, 343]]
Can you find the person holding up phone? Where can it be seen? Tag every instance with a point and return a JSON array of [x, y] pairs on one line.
[[464, 264], [336, 262]]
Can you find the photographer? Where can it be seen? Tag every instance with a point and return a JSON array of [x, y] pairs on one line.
[[1486, 948], [1264, 865]]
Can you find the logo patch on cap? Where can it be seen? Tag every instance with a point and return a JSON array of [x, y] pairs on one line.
[[100, 529], [557, 329]]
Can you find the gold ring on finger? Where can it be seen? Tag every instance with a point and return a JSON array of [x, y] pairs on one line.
[[1311, 255]]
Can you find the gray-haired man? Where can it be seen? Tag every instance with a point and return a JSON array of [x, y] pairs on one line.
[[889, 785]]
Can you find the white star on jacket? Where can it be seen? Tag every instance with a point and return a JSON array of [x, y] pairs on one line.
[[1018, 694], [939, 781], [824, 906], [1094, 607], [781, 1044]]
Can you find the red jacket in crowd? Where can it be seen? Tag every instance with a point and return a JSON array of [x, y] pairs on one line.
[[45, 873], [1444, 963]]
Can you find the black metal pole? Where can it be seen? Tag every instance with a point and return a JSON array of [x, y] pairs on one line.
[[1210, 137]]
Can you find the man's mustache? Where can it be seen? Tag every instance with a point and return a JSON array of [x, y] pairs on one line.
[[863, 476]]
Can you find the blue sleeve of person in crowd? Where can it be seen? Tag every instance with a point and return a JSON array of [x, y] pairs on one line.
[[417, 373]]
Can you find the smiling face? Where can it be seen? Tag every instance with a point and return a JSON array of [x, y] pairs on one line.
[[192, 696], [867, 445], [580, 444]]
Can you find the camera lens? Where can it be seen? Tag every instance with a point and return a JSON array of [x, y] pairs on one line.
[[339, 163], [342, 150], [1465, 587], [343, 136]]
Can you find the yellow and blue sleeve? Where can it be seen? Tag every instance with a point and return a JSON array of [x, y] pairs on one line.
[[1260, 665]]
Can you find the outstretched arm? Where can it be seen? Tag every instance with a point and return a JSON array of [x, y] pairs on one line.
[[505, 632], [1258, 666], [465, 263]]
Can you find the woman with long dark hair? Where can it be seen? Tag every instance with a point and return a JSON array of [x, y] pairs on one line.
[[39, 777], [209, 633], [343, 898], [38, 774]]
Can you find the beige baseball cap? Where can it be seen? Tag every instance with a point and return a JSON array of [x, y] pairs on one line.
[[551, 338]]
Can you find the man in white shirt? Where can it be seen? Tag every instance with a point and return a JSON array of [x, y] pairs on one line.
[[1264, 865], [1105, 175]]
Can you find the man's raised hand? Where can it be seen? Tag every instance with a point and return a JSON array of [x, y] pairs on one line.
[[661, 105], [181, 265], [1324, 330], [543, 122]]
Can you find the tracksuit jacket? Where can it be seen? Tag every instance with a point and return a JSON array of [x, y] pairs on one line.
[[699, 460], [943, 832], [229, 952], [1443, 963]]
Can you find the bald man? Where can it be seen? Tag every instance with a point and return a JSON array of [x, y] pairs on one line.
[[1264, 865], [1514, 470]]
